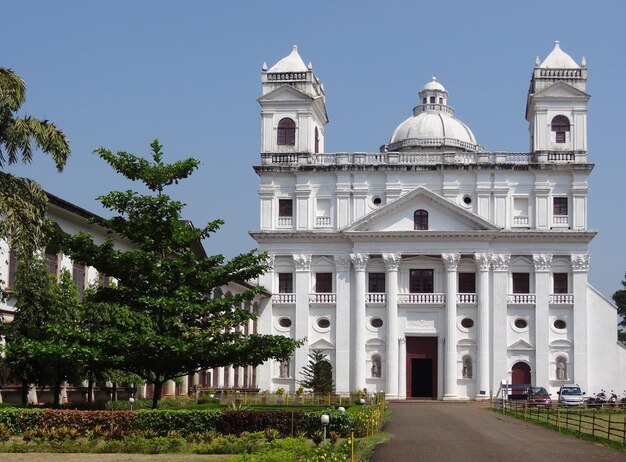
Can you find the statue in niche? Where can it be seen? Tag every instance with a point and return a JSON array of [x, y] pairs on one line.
[[376, 367], [284, 369], [561, 369], [467, 367]]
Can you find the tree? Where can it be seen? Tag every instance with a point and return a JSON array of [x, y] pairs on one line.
[[619, 297], [22, 202], [40, 341], [161, 321], [318, 375]]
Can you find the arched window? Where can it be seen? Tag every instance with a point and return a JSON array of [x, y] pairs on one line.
[[317, 140], [286, 132], [467, 367], [376, 366], [560, 125], [561, 368], [420, 219]]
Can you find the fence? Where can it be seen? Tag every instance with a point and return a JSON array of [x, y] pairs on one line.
[[289, 399], [604, 423]]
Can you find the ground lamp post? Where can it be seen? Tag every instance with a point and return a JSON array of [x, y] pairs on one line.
[[131, 400], [325, 420]]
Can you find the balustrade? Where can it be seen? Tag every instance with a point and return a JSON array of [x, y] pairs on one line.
[[468, 299], [561, 299], [521, 299], [520, 221], [322, 221], [422, 299], [375, 297], [325, 298], [559, 220], [283, 299], [285, 222]]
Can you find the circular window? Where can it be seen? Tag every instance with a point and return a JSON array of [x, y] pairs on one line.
[[323, 323], [560, 324], [376, 322], [284, 322], [377, 201], [521, 323], [467, 323], [467, 200]]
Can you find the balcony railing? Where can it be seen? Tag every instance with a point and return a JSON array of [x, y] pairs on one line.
[[324, 298], [561, 299], [375, 297], [285, 222], [520, 221], [466, 299], [521, 299], [559, 220], [422, 299], [283, 299], [322, 222]]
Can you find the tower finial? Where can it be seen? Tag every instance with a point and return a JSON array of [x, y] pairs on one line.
[[557, 44], [537, 61], [264, 66], [295, 48], [434, 79], [583, 63]]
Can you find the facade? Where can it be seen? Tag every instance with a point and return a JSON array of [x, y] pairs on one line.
[[434, 267]]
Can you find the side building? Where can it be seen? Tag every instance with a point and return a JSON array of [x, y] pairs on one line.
[[434, 267]]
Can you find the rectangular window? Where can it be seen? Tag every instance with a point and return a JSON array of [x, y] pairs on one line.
[[560, 137], [467, 283], [324, 282], [78, 276], [521, 283], [559, 206], [421, 281], [12, 269], [285, 208], [285, 283], [376, 283], [559, 281], [432, 100]]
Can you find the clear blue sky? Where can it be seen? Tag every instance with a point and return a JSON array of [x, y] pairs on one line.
[[120, 73]]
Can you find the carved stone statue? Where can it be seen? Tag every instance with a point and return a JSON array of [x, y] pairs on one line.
[[284, 369], [467, 367], [376, 367], [561, 370]]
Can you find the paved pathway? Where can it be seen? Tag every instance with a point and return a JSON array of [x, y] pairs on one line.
[[437, 431]]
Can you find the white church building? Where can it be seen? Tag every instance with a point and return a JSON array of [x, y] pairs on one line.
[[433, 267]]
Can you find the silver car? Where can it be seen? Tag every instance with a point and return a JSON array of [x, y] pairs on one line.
[[571, 395]]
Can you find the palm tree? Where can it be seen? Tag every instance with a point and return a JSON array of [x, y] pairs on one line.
[[22, 202]]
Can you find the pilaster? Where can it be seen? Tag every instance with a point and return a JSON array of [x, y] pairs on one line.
[[542, 264], [392, 263], [359, 261], [402, 367], [499, 327], [451, 263], [483, 263], [342, 341], [302, 285], [580, 269]]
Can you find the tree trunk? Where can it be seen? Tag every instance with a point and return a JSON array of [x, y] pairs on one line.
[[90, 391], [56, 391], [158, 387], [114, 394], [24, 392]]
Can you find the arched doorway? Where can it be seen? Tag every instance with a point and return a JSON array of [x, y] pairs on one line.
[[520, 375]]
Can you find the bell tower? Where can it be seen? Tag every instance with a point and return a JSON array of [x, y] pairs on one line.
[[556, 107], [293, 107]]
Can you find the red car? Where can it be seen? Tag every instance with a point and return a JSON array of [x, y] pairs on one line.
[[539, 396]]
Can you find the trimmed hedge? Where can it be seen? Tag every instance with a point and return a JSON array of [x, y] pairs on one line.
[[163, 421]]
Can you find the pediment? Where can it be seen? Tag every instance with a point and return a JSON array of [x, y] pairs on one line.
[[285, 93], [466, 343], [374, 342], [521, 345], [561, 90], [321, 344], [443, 215]]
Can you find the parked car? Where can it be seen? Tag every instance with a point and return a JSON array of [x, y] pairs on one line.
[[571, 395], [539, 396]]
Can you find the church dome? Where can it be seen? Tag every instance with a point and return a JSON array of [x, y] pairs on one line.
[[433, 125]]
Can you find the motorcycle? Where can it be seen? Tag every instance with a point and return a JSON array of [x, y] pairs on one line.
[[598, 399], [613, 399]]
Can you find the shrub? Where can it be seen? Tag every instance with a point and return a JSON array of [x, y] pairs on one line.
[[271, 434], [340, 422], [5, 433], [182, 421], [205, 437], [19, 420], [228, 444], [115, 424], [235, 422]]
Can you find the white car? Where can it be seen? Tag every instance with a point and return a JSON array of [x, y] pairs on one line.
[[571, 395]]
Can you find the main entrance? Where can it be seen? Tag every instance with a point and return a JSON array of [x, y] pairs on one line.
[[421, 367]]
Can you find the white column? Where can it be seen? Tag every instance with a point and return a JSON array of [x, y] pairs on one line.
[[483, 263], [499, 327], [32, 394], [302, 288], [451, 262], [141, 391], [580, 267], [360, 263], [441, 344], [342, 324], [542, 264], [392, 262], [402, 368], [184, 388], [170, 388]]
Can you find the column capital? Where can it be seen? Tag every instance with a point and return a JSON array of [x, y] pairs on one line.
[[500, 261], [359, 260], [392, 261], [342, 262], [580, 262], [302, 262], [271, 258], [451, 260], [402, 340], [483, 261], [542, 262]]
